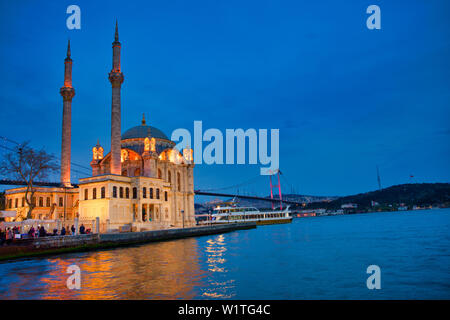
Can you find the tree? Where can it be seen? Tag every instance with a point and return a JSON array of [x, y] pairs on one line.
[[28, 165], [2, 201]]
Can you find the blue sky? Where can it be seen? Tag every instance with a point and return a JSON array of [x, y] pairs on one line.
[[345, 98]]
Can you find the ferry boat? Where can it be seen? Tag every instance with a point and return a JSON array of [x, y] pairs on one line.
[[230, 214]]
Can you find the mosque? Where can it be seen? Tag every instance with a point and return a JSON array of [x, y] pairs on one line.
[[143, 182]]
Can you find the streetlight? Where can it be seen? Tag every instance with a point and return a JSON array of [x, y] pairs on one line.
[[182, 212]]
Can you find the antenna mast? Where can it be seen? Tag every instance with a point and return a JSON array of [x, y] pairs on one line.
[[378, 178]]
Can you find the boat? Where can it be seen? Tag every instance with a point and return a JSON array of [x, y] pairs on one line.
[[234, 214]]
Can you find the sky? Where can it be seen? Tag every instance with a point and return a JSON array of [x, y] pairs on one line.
[[345, 98]]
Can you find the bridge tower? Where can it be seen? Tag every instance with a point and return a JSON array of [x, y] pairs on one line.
[[276, 186]]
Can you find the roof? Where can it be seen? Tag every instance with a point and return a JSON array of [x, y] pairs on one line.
[[144, 131]]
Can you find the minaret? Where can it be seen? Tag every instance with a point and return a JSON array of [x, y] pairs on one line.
[[116, 79], [67, 92]]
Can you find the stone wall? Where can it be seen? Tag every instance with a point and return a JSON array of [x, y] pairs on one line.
[[158, 235], [62, 244]]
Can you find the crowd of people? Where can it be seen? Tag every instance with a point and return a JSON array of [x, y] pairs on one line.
[[8, 235]]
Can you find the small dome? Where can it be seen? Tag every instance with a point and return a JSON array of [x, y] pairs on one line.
[[144, 131]]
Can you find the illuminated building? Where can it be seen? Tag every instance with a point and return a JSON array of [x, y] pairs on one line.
[[142, 183]]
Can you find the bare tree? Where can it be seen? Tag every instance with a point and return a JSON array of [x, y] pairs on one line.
[[28, 165]]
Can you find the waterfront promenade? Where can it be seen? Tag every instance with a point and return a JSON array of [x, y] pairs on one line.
[[88, 242]]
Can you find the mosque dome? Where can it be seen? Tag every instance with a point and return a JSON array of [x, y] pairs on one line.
[[143, 131]]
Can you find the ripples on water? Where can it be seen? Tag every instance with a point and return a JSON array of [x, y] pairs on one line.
[[312, 258]]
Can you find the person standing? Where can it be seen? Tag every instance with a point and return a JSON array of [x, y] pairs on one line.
[[42, 232], [9, 236], [63, 231], [73, 230], [31, 232]]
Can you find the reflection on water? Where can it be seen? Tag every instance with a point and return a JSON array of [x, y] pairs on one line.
[[166, 270], [220, 286], [311, 258]]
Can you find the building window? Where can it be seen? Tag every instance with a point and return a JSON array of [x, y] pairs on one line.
[[170, 176], [144, 192], [10, 203], [16, 203], [86, 194], [94, 193], [41, 202], [179, 181], [103, 193], [48, 201], [121, 192], [127, 193], [157, 193], [23, 202], [135, 193], [151, 193], [165, 195], [60, 201], [33, 201], [114, 192], [159, 174]]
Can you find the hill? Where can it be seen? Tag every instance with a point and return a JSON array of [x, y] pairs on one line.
[[420, 194], [417, 194]]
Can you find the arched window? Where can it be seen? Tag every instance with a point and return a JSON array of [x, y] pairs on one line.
[[48, 201], [170, 176], [10, 203], [16, 203], [179, 181], [86, 194], [127, 193], [134, 193], [159, 174], [103, 195], [144, 192], [165, 196], [157, 193], [94, 193], [41, 202], [121, 192], [23, 202], [114, 192], [61, 201], [151, 193], [125, 173]]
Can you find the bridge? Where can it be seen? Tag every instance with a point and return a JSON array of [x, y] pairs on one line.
[[197, 192], [227, 195]]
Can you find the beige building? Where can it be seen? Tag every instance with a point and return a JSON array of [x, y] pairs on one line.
[[155, 190], [50, 203]]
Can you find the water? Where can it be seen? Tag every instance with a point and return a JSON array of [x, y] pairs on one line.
[[312, 258]]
